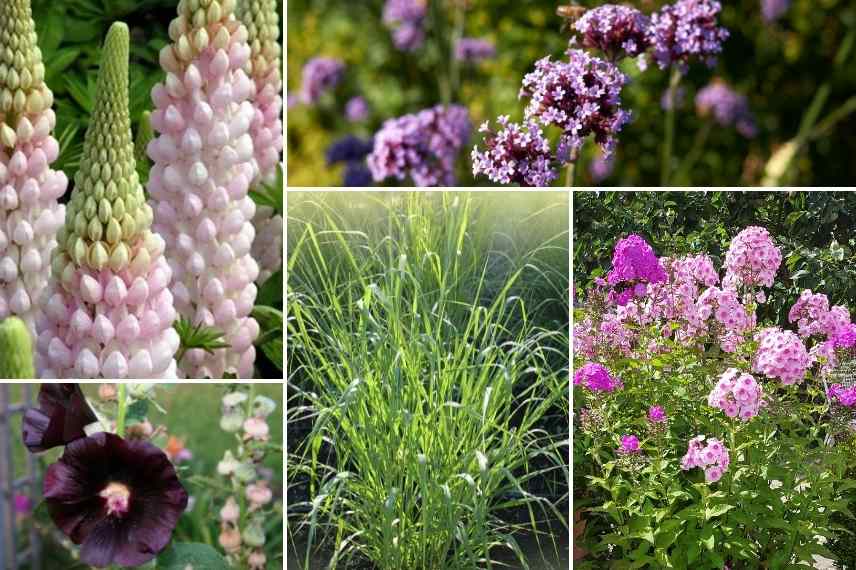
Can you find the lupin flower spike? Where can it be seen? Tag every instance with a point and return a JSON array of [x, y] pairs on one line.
[[29, 188], [262, 22], [203, 167], [108, 310]]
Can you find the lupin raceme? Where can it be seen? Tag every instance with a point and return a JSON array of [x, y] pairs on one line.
[[29, 212], [203, 165], [108, 312]]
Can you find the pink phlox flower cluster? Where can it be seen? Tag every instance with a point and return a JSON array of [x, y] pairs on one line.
[[752, 259], [824, 352], [629, 445], [737, 394], [596, 378], [845, 337], [845, 396], [712, 457], [724, 305], [837, 319], [808, 312], [781, 354], [634, 266], [656, 414]]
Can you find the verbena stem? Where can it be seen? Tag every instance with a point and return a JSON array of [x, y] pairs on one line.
[[669, 134], [123, 408]]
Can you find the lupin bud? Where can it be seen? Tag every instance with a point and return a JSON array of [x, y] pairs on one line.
[[104, 249], [16, 350], [29, 188], [203, 160]]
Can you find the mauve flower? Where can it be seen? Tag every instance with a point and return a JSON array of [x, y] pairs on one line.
[[629, 445], [356, 109], [29, 188], [656, 414], [686, 31], [108, 312], [615, 30], [120, 500], [601, 167], [581, 96], [203, 167], [772, 10], [320, 75], [406, 18], [61, 417], [474, 49], [728, 107], [515, 154], [23, 504], [423, 146]]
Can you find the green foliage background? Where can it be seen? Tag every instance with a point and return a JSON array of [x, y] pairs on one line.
[[780, 67], [814, 230]]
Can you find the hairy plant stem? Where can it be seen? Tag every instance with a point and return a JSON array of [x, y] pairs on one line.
[[123, 408], [669, 134]]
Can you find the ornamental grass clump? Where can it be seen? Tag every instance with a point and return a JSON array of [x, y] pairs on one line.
[[108, 312], [29, 212], [204, 164], [747, 468], [430, 379]]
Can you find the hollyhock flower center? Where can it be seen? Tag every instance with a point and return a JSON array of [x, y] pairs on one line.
[[118, 499]]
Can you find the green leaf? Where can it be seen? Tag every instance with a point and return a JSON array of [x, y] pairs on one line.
[[137, 412], [270, 293], [269, 319], [191, 556], [716, 510], [274, 351]]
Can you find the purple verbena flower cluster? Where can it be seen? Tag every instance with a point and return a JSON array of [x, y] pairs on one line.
[[601, 167], [474, 49], [423, 146], [320, 74], [772, 10], [596, 378], [685, 31], [515, 154], [614, 30], [726, 106], [356, 109], [406, 19], [581, 96]]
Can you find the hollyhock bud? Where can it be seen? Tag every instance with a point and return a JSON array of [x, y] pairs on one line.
[[108, 310], [107, 392], [262, 21], [257, 560], [259, 494], [256, 428], [230, 511], [203, 166], [263, 406], [230, 539], [61, 417], [254, 534], [29, 188], [227, 466]]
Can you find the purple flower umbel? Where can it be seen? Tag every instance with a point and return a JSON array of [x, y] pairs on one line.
[[320, 74], [60, 418], [614, 30], [119, 499], [581, 96], [772, 10], [474, 49], [656, 414], [634, 265], [406, 18], [423, 146], [515, 155], [685, 31]]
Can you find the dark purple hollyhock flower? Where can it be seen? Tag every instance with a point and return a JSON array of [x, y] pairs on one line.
[[119, 499], [60, 418]]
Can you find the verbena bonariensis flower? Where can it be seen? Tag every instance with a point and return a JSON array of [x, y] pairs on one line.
[[752, 259], [406, 18], [203, 168], [423, 146], [686, 31], [615, 30], [108, 311], [634, 266], [712, 456], [515, 155], [261, 17], [656, 414], [581, 96], [737, 394], [781, 354], [61, 417], [29, 188], [474, 49], [772, 10], [728, 107], [356, 109], [601, 167], [629, 445], [320, 75], [596, 378], [119, 499]]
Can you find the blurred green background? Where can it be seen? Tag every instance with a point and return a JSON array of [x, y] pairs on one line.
[[193, 415], [798, 73]]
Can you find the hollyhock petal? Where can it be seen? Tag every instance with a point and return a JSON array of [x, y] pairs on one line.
[[60, 418]]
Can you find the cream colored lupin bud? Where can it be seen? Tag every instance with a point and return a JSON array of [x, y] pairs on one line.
[[108, 310], [29, 212], [261, 18], [203, 166]]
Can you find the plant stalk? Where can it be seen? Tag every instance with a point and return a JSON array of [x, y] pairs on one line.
[[123, 409], [669, 134]]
